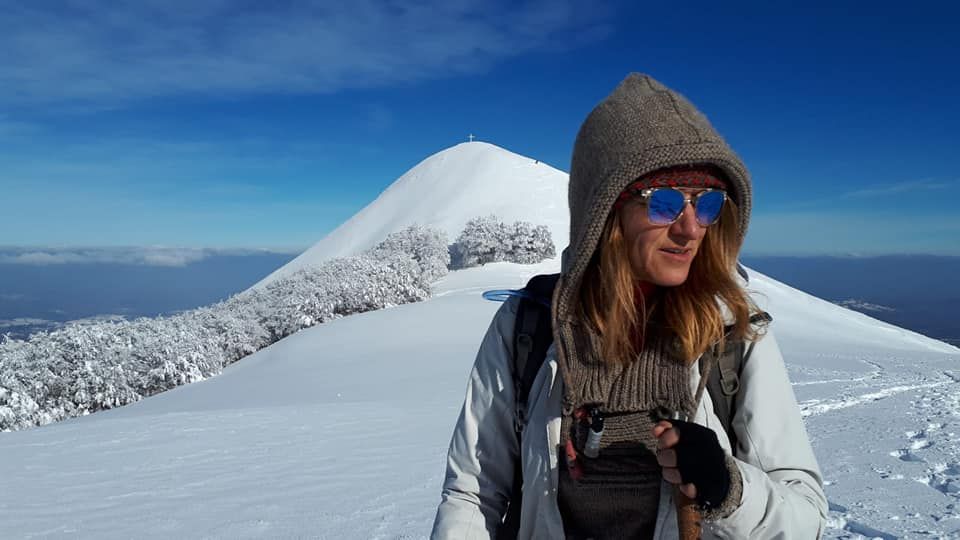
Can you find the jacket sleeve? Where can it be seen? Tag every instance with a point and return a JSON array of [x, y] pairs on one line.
[[484, 449], [782, 486]]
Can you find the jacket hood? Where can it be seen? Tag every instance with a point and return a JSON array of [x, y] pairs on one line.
[[642, 126]]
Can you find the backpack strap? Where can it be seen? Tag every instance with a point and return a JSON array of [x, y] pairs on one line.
[[533, 334], [723, 382]]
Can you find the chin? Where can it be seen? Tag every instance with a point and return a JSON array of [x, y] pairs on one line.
[[670, 279]]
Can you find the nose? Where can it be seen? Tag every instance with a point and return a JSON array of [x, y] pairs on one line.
[[686, 226]]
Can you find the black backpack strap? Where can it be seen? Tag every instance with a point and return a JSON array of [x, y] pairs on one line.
[[528, 322], [533, 334]]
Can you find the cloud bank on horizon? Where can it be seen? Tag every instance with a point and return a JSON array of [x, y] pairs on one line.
[[145, 256]]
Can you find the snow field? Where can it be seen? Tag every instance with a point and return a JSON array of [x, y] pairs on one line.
[[887, 442], [315, 437]]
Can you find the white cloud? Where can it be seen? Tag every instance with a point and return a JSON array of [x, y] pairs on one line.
[[147, 256], [37, 257], [171, 257], [901, 187], [105, 53], [25, 321]]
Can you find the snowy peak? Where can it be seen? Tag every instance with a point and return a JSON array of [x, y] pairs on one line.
[[446, 190]]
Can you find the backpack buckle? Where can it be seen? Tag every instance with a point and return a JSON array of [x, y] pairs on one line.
[[730, 384]]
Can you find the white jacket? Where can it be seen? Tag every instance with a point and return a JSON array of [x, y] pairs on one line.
[[782, 487]]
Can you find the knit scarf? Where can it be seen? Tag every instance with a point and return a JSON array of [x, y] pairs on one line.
[[616, 494]]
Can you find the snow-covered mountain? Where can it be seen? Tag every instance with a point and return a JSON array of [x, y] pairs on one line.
[[445, 191], [340, 431]]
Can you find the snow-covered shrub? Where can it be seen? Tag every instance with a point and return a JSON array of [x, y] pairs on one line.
[[487, 239], [341, 287], [237, 323], [427, 246], [100, 364], [171, 374]]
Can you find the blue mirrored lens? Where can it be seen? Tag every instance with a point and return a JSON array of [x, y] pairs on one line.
[[709, 205], [664, 206]]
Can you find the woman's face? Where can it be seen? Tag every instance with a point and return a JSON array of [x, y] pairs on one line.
[[661, 254]]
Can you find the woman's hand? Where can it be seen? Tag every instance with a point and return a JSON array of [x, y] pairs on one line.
[[692, 458]]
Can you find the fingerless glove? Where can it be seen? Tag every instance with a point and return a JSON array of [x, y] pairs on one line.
[[703, 462]]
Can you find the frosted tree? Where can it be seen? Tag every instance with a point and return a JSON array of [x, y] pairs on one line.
[[483, 240], [487, 239], [426, 245], [530, 244]]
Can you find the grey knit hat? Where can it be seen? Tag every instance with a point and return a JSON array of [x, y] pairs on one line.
[[641, 127]]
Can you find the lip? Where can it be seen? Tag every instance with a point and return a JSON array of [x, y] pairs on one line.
[[684, 256]]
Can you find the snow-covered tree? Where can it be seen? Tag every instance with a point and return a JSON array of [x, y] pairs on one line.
[[530, 244], [427, 246], [484, 239], [487, 239]]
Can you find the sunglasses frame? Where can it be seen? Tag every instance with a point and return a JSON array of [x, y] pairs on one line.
[[645, 194]]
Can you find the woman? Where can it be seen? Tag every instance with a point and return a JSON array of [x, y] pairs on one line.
[[659, 206]]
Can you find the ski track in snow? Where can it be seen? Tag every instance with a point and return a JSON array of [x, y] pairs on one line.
[[816, 406], [829, 381]]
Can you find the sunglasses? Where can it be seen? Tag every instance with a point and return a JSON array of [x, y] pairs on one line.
[[665, 205]]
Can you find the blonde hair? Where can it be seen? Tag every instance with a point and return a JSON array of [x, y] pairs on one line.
[[689, 311]]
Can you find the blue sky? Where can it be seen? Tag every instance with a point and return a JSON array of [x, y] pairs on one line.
[[264, 125]]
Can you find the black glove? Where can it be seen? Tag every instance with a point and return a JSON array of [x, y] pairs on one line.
[[702, 462]]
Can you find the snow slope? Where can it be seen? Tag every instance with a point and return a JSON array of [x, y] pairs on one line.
[[445, 191], [340, 431]]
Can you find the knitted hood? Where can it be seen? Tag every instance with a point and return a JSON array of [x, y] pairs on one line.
[[641, 127]]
